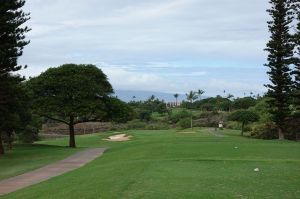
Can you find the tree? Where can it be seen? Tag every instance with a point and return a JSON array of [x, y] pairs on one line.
[[296, 41], [230, 96], [280, 51], [12, 42], [16, 114], [244, 117], [71, 94], [244, 103], [12, 34], [117, 110], [8, 109], [152, 98], [200, 93], [176, 95], [191, 96]]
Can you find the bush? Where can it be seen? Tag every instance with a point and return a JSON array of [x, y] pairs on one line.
[[145, 115], [157, 126], [176, 117], [205, 122], [293, 128], [234, 125], [264, 131], [184, 123], [29, 134], [238, 126], [136, 124]]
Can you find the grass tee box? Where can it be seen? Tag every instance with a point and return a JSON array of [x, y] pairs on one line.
[[170, 164]]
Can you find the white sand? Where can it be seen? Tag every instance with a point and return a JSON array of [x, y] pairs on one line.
[[118, 138]]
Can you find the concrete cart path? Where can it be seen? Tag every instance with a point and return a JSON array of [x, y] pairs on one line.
[[42, 174]]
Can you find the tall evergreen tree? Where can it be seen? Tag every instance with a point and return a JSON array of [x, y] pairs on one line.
[[296, 39], [12, 42], [280, 49]]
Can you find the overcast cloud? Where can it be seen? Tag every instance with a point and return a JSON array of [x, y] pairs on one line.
[[154, 45]]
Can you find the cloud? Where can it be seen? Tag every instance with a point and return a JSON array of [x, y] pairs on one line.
[[124, 79], [164, 41]]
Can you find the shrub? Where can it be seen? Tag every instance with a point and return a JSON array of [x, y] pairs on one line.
[[184, 123], [234, 125], [264, 131], [157, 126], [293, 128], [145, 115], [29, 134], [136, 124], [176, 117]]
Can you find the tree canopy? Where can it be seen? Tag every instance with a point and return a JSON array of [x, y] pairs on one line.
[[71, 94], [244, 117]]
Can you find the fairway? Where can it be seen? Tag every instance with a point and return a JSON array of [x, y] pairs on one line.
[[170, 164]]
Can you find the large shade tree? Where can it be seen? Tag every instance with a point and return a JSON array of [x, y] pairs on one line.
[[72, 94], [12, 42]]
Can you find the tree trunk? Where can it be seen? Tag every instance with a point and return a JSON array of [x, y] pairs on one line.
[[192, 122], [10, 140], [243, 126], [72, 143], [1, 146], [280, 134]]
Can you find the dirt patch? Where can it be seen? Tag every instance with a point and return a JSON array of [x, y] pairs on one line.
[[118, 138]]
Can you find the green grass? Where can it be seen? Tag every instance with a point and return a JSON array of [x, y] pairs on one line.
[[25, 158], [169, 164]]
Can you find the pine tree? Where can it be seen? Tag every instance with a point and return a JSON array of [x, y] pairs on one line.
[[280, 49], [296, 39], [12, 42], [12, 34]]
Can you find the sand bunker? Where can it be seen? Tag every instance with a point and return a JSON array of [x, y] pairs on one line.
[[118, 138], [187, 132]]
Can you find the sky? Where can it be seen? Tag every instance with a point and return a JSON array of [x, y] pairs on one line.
[[154, 45]]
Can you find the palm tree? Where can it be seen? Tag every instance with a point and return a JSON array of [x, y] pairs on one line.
[[191, 96], [176, 95], [229, 96], [251, 94], [200, 93]]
